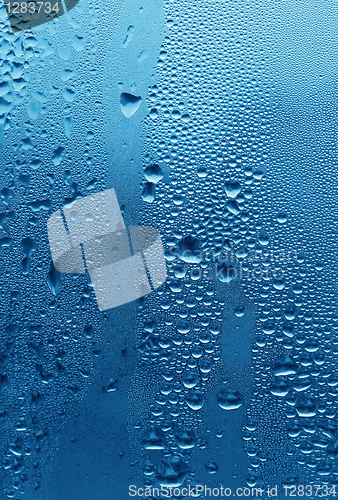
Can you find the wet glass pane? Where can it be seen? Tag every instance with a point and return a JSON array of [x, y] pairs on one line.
[[168, 225]]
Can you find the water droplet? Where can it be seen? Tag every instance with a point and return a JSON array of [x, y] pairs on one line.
[[188, 250], [195, 399], [129, 104], [282, 217], [229, 399]]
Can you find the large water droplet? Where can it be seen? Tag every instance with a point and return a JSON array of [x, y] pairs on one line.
[[129, 104], [188, 250], [195, 399], [186, 439], [229, 399], [153, 173], [189, 379], [225, 273], [232, 188]]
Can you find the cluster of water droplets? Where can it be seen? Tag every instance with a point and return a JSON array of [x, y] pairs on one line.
[[213, 130], [47, 356]]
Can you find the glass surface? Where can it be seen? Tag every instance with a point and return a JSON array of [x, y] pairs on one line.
[[168, 271]]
